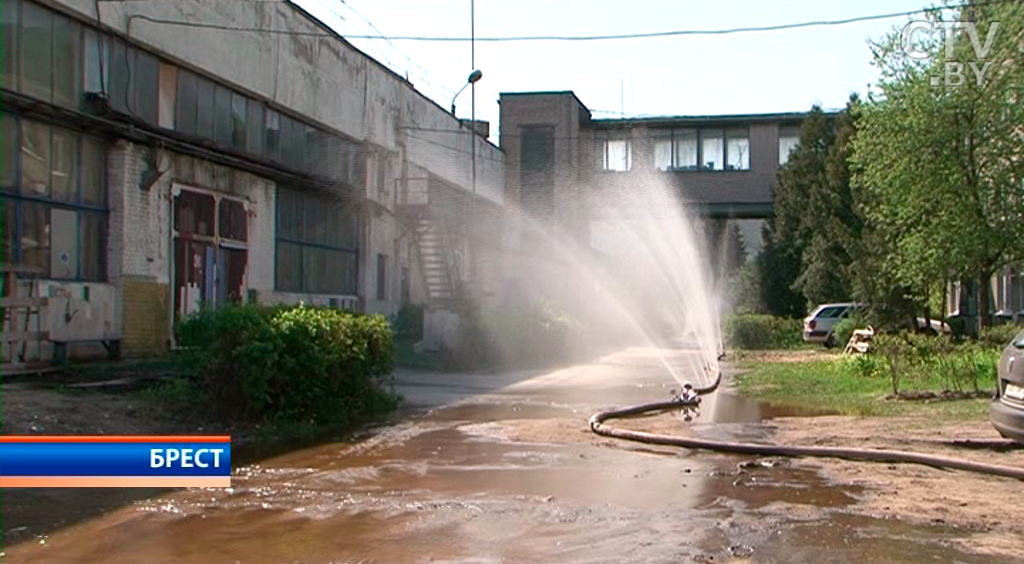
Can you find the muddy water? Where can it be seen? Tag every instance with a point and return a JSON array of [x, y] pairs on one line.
[[509, 473]]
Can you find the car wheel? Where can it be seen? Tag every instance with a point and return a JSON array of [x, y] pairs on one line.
[[830, 342]]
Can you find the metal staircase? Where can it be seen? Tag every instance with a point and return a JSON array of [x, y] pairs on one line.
[[435, 264]]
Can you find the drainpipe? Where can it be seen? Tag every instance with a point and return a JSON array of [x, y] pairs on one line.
[[170, 265]]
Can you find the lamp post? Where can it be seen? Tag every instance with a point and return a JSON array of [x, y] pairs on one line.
[[471, 81]]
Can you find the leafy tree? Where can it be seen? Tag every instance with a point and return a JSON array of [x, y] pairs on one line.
[[941, 163]]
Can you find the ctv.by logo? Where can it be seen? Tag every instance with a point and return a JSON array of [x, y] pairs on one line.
[[955, 73]]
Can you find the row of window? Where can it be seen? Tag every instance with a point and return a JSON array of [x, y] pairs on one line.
[[695, 149], [685, 150], [53, 193], [54, 58]]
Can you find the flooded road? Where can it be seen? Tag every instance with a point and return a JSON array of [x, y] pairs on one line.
[[502, 468]]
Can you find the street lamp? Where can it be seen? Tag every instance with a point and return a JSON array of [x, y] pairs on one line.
[[473, 78]]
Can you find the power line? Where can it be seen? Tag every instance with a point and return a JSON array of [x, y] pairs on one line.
[[645, 35]]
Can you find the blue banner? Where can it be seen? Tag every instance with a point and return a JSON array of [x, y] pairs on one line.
[[115, 459]]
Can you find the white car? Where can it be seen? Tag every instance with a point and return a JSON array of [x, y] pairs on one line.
[[821, 322]]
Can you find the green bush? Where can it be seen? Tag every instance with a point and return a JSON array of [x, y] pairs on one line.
[[756, 331], [998, 336], [292, 364], [927, 362], [408, 323]]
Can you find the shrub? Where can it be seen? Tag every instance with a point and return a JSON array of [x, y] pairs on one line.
[[528, 335], [998, 336], [754, 331], [408, 323], [292, 364]]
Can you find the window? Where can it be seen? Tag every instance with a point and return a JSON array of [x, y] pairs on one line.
[[382, 277], [712, 150], [234, 221], [10, 18], [254, 128], [239, 113], [96, 70], [36, 51], [186, 103], [789, 136], [204, 107], [685, 149], [316, 245], [618, 155], [223, 130], [272, 142], [54, 199], [702, 149], [737, 149], [67, 43]]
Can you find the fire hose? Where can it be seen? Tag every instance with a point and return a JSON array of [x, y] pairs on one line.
[[689, 401]]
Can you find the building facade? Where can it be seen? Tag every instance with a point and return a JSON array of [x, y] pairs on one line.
[[724, 167], [162, 155]]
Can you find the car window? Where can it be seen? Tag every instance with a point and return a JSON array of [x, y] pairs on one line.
[[1019, 341], [830, 312]]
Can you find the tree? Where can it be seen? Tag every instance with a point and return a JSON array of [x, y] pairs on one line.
[[941, 161], [808, 241]]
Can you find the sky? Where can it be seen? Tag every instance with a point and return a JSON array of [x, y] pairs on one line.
[[775, 71]]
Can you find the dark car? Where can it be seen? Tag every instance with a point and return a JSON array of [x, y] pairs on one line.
[[1007, 410]]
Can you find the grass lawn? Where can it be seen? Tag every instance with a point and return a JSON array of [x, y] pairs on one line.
[[844, 385]]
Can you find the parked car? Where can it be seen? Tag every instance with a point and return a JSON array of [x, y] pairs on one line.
[[821, 322], [1007, 409]]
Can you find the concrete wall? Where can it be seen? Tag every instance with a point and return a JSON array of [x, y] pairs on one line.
[[312, 72]]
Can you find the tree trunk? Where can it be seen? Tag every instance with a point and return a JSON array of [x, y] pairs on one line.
[[984, 293]]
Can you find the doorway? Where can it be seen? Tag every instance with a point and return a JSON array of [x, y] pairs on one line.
[[210, 250]]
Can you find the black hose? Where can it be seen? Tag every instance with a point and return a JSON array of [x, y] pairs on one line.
[[875, 455]]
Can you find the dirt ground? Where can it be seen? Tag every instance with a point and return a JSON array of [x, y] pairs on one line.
[[977, 504], [980, 505]]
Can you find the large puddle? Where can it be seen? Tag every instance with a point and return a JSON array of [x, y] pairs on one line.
[[504, 478]]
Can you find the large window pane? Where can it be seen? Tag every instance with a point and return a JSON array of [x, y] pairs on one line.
[[205, 114], [67, 44], [194, 213], [289, 215], [96, 71], [7, 230], [9, 27], [92, 244], [35, 235], [223, 129], [64, 163], [8, 152], [290, 147], [146, 86], [121, 61], [94, 169], [35, 158], [272, 146], [186, 104], [239, 109], [663, 154], [788, 138], [737, 149], [712, 150], [289, 267], [686, 149], [618, 155], [37, 51], [254, 128], [233, 220]]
